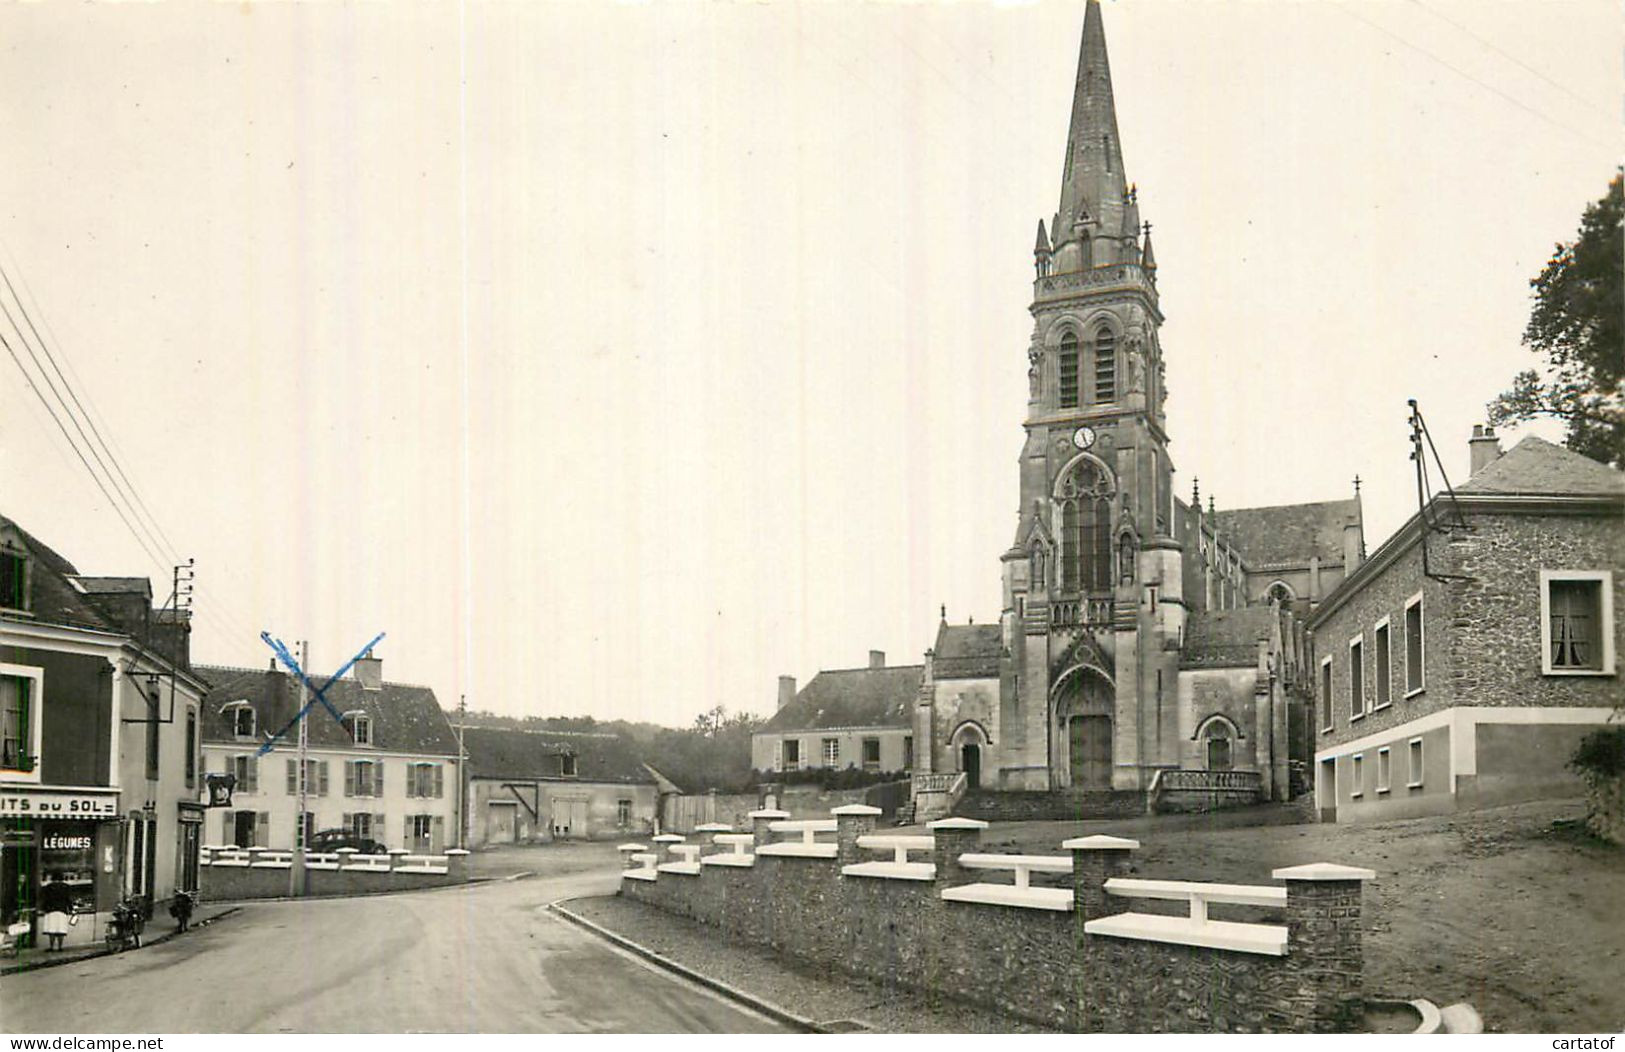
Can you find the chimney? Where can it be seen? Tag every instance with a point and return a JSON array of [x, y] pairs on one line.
[[369, 672], [787, 690], [877, 659], [1483, 449]]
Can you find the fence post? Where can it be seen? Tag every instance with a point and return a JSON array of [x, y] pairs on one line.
[[851, 822], [1095, 860], [663, 844], [954, 837], [709, 831], [457, 865], [759, 822], [1323, 945]]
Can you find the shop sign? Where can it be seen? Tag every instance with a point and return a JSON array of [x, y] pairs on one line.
[[44, 803]]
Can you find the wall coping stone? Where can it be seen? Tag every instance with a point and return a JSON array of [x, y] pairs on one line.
[[628, 847], [639, 874], [669, 838], [713, 827], [768, 812], [1057, 899], [856, 809], [687, 869], [456, 851], [891, 870], [1100, 842], [957, 823], [1323, 871], [797, 849], [729, 859], [1266, 939]]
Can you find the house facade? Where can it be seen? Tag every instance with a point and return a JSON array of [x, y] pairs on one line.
[[100, 773], [860, 717], [387, 770], [537, 786], [1462, 663]]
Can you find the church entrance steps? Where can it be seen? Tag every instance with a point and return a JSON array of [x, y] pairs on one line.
[[1058, 805]]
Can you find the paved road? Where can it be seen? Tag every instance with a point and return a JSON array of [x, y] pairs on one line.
[[485, 958]]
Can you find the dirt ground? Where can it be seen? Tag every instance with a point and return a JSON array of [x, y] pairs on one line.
[[1514, 909]]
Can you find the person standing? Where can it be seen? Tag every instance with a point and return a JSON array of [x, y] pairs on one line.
[[55, 903]]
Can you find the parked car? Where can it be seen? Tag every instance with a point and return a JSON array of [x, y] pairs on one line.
[[329, 840]]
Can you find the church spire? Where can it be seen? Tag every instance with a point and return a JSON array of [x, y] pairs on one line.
[[1093, 188]]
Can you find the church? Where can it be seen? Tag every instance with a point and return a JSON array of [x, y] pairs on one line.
[[1139, 633]]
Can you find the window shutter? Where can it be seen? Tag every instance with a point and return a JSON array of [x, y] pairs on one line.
[[253, 774], [228, 830], [437, 834], [439, 781], [293, 777], [378, 828], [349, 777], [412, 779], [406, 835], [262, 829], [321, 778], [347, 821], [378, 778]]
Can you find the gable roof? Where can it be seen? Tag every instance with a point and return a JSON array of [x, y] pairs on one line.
[[405, 718], [1288, 534], [1536, 466], [52, 597], [530, 756], [967, 651], [853, 697], [1226, 638]]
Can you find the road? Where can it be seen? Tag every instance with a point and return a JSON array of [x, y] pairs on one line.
[[486, 958]]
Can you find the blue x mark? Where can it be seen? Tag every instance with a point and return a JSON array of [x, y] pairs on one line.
[[283, 655]]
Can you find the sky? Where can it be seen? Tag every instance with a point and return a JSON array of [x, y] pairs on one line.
[[615, 359]]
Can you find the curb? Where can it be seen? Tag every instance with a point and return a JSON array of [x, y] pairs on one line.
[[57, 962], [733, 993]]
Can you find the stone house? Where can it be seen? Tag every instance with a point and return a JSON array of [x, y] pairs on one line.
[[857, 717], [1462, 663], [536, 786], [100, 777], [387, 770]]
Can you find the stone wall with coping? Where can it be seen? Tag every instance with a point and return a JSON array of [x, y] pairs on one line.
[[231, 881], [1033, 963]]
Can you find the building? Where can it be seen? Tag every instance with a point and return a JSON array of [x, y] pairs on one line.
[[536, 786], [856, 717], [387, 770], [1139, 633], [100, 783], [1460, 665]]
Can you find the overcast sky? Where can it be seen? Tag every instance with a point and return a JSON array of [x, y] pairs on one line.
[[615, 359]]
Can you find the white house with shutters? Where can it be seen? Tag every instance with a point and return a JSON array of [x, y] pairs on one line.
[[386, 770]]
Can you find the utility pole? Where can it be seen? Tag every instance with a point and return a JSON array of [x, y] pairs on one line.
[[301, 844], [462, 774]]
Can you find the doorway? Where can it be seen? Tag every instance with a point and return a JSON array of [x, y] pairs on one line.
[[970, 761], [501, 825], [1090, 752]]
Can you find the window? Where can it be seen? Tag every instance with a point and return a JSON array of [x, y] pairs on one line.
[[426, 779], [361, 825], [191, 748], [359, 724], [871, 754], [420, 831], [567, 765], [1356, 678], [13, 578], [1384, 769], [1382, 669], [790, 753], [305, 830], [1218, 749], [363, 778], [1357, 776], [832, 751], [1414, 680], [16, 730], [1069, 371], [241, 716], [908, 752], [247, 770], [1577, 615], [1105, 366], [1325, 694], [315, 777], [1415, 781], [1085, 494], [623, 813]]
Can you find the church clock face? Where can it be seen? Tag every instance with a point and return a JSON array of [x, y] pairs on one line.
[[1083, 437]]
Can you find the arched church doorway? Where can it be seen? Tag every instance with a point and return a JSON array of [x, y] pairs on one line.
[[1084, 709], [969, 741], [1218, 744]]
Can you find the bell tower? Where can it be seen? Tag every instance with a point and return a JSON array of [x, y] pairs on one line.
[[1092, 584]]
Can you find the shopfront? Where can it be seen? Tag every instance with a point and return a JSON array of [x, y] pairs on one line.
[[57, 834]]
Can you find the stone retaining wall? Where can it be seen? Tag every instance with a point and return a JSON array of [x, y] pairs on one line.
[[227, 882], [1058, 806], [1034, 963]]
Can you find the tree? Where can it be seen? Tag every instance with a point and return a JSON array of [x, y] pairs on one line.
[[1578, 326]]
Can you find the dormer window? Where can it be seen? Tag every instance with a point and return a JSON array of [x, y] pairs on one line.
[[241, 716], [13, 577], [567, 765], [359, 724]]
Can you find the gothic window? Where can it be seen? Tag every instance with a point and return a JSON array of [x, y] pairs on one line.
[[1105, 366], [1086, 542], [1069, 371]]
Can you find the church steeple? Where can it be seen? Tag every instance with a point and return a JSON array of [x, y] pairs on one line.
[[1094, 191]]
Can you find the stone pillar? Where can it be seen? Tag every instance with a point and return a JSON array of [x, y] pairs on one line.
[[1323, 946], [709, 831], [663, 844], [954, 837], [1095, 860], [759, 822], [457, 865], [398, 853], [851, 822]]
